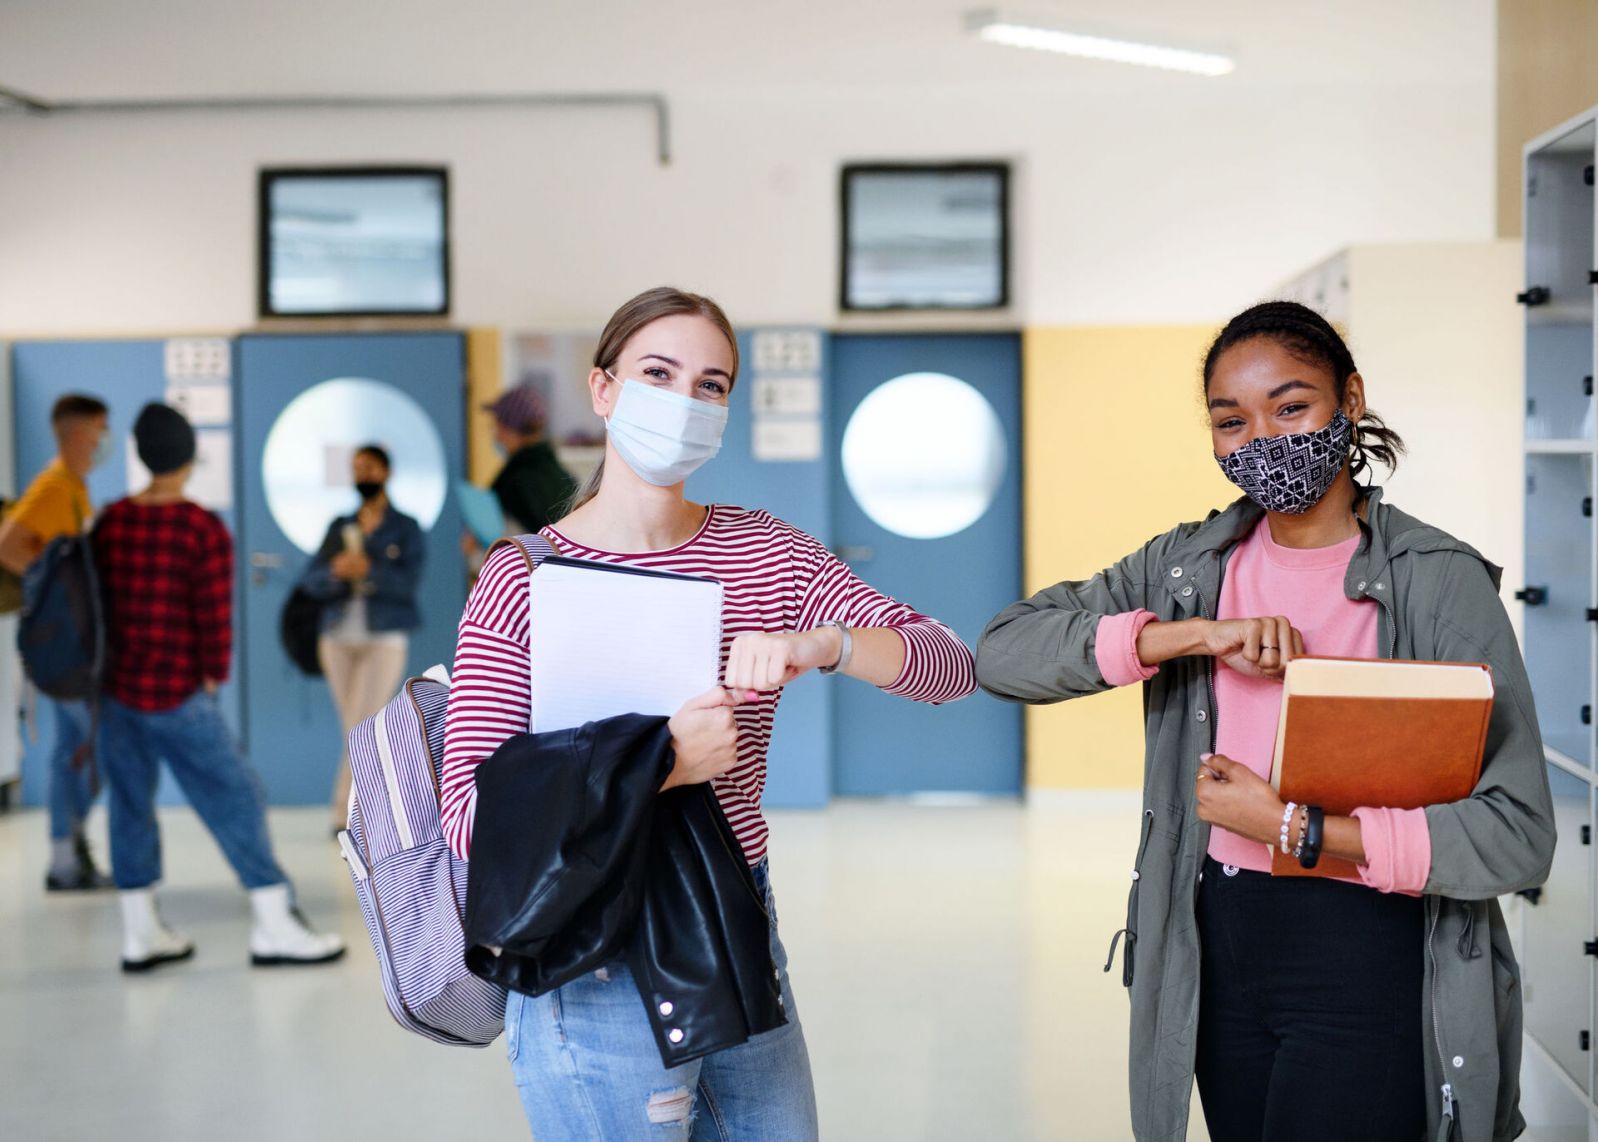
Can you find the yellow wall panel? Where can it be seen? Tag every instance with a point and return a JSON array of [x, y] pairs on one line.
[[1117, 451], [485, 377]]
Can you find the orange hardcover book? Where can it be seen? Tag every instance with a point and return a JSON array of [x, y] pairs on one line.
[[1393, 734]]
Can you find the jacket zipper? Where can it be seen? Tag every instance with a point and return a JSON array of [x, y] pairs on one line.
[[1437, 1027]]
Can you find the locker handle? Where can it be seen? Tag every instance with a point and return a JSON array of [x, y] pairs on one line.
[[1532, 596], [1592, 614], [1590, 947], [1536, 295], [1532, 895]]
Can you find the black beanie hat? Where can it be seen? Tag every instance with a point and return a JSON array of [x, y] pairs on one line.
[[164, 437]]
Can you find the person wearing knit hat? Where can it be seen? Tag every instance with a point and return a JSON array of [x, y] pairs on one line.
[[532, 488], [166, 574], [164, 438]]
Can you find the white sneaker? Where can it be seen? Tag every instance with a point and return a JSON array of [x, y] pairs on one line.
[[280, 934], [146, 940]]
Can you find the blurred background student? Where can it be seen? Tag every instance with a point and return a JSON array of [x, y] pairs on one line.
[[166, 569], [532, 488], [55, 504], [365, 574]]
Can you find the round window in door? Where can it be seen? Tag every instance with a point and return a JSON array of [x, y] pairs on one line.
[[924, 454], [305, 466]]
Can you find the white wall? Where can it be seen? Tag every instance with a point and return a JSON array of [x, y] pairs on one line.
[[1141, 197], [1439, 339]]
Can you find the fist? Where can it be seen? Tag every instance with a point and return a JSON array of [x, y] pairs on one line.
[[1259, 648], [767, 662]]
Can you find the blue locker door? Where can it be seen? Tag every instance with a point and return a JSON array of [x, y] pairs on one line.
[[327, 395], [901, 462], [126, 375]]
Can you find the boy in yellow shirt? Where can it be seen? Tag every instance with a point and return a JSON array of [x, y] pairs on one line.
[[56, 503]]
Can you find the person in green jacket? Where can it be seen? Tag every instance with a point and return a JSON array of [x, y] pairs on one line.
[[1381, 1005], [532, 488]]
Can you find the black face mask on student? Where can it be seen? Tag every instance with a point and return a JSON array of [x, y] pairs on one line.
[[369, 489]]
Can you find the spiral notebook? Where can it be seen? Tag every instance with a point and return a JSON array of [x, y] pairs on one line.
[[609, 639]]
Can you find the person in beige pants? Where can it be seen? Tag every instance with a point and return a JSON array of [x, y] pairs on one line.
[[365, 574]]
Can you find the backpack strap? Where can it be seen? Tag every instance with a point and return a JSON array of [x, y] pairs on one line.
[[534, 548]]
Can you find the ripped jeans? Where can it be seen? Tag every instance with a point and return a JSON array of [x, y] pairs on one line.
[[586, 1067]]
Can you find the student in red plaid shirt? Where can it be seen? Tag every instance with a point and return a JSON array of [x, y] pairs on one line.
[[166, 566]]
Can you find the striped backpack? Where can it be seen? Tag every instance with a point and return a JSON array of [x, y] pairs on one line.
[[412, 888]]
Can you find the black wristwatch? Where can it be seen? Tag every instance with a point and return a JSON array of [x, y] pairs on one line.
[[1314, 829]]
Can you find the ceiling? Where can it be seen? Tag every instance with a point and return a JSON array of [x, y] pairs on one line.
[[114, 49]]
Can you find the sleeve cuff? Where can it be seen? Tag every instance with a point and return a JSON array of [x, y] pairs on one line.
[[1115, 648], [1398, 849]]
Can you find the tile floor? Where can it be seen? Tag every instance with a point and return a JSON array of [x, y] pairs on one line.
[[947, 962]]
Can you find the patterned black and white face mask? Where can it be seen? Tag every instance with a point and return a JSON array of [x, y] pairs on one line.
[[1290, 473]]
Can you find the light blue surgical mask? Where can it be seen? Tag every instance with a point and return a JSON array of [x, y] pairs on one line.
[[663, 436], [102, 451]]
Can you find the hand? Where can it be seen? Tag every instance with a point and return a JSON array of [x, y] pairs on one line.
[[704, 738], [1233, 796], [1258, 648], [352, 566], [768, 662], [469, 546], [211, 685]]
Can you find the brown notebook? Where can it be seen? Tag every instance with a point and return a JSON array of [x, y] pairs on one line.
[[1355, 732]]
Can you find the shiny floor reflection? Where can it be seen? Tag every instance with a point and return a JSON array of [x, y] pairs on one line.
[[947, 962]]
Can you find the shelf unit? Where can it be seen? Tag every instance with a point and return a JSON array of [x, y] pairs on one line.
[[1560, 922]]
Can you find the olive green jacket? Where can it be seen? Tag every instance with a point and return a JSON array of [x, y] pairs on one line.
[[1439, 601]]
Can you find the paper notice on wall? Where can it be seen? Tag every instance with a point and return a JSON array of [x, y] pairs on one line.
[[210, 483], [787, 439], [787, 351], [198, 359], [787, 396], [204, 404]]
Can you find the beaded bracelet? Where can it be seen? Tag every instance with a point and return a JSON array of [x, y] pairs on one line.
[[1287, 820], [1303, 831]]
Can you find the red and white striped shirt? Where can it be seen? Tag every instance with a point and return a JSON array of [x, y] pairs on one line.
[[775, 578]]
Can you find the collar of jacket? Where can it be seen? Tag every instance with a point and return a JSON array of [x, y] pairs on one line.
[[1195, 564], [391, 516]]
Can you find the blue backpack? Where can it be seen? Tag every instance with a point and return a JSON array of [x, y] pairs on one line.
[[61, 630]]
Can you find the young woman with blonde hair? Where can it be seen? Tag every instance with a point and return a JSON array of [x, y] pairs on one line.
[[584, 1057]]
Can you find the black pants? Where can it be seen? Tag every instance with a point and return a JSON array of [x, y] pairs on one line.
[[1309, 1010]]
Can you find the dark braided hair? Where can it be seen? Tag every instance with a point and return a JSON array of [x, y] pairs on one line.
[[1310, 337]]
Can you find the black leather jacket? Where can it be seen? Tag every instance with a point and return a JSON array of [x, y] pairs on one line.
[[577, 861]]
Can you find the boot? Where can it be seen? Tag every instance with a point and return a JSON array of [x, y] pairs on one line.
[[72, 868], [146, 940], [280, 934]]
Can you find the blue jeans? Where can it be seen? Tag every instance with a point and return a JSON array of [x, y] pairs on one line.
[[195, 743], [71, 792], [586, 1066]]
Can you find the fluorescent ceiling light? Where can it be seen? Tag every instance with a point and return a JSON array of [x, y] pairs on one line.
[[994, 29]]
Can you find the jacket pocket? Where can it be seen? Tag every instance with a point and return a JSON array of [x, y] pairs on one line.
[[1130, 931]]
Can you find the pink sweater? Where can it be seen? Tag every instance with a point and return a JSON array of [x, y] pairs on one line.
[[1264, 578]]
